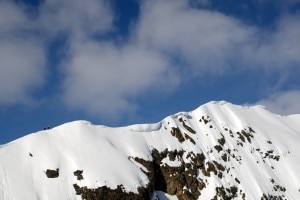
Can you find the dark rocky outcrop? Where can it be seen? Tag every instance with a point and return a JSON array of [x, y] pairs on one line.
[[226, 193], [187, 137], [182, 180], [104, 193], [177, 133], [186, 126], [273, 197], [52, 173], [205, 120], [78, 174]]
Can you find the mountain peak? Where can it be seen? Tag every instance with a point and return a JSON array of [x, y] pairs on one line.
[[218, 102], [217, 151], [226, 103]]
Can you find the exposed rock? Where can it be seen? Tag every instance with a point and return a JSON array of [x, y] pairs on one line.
[[174, 180], [104, 193], [224, 157], [177, 133], [218, 148], [248, 135], [219, 166], [221, 141], [205, 120], [78, 174], [241, 137], [226, 193], [189, 138], [237, 180], [211, 167], [52, 173], [186, 126], [273, 197]]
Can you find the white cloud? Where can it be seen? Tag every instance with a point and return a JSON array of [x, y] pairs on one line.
[[171, 41], [22, 60], [207, 41], [211, 42], [76, 17], [103, 78], [283, 103], [21, 70], [11, 18], [24, 39], [286, 42], [278, 49], [202, 41]]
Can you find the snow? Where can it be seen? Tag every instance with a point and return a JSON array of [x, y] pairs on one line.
[[104, 153], [172, 163], [159, 195]]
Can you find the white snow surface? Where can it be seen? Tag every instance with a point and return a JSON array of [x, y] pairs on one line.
[[158, 195], [103, 153]]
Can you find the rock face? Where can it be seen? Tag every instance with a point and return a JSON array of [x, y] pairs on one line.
[[219, 151], [104, 193], [181, 180]]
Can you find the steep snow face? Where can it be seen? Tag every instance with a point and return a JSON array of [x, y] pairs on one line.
[[218, 150]]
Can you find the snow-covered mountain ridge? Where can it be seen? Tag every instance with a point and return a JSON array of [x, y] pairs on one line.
[[217, 151]]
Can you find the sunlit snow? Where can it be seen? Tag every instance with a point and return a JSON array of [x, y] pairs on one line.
[[104, 153]]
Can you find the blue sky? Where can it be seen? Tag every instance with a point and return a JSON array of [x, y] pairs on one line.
[[137, 61]]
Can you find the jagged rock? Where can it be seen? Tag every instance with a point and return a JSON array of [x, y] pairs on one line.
[[224, 157], [221, 141], [226, 193], [177, 133], [104, 193], [187, 127], [78, 174], [218, 148], [173, 180], [189, 138]]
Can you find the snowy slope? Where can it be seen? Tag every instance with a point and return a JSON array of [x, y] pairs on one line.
[[218, 150]]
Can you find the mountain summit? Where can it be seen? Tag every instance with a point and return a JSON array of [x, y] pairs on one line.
[[217, 151]]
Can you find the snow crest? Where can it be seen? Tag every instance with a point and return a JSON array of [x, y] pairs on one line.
[[219, 148]]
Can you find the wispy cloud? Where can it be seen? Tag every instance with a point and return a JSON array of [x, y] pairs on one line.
[[209, 41], [206, 41], [76, 17], [103, 78], [22, 57], [24, 40], [283, 103]]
